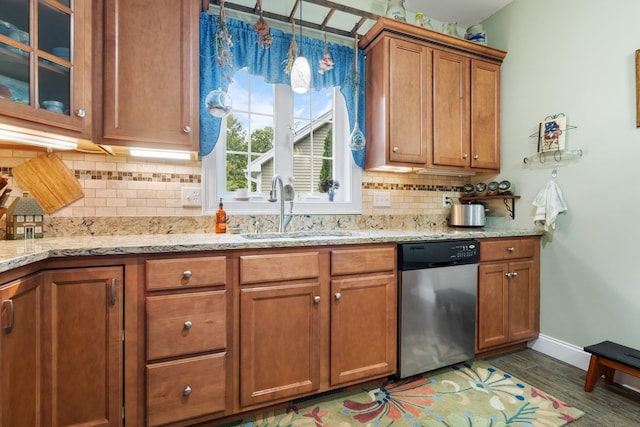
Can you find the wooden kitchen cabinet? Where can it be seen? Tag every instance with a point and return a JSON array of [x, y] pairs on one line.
[[186, 339], [151, 94], [508, 293], [433, 101], [83, 347], [314, 320], [61, 348], [21, 359], [398, 103], [363, 314], [45, 57]]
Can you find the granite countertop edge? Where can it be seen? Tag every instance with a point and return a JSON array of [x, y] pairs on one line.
[[18, 253]]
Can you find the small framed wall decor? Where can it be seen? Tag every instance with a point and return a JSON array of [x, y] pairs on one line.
[[551, 135], [638, 88]]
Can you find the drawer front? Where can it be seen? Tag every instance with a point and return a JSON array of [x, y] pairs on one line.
[[506, 249], [183, 324], [278, 267], [185, 388], [353, 261], [183, 273]]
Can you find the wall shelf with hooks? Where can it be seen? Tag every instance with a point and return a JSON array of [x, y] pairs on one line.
[[552, 159], [508, 199]]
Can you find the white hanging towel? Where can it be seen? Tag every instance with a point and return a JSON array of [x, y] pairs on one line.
[[549, 204]]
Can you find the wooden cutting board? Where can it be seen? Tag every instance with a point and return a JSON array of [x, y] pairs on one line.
[[49, 181]]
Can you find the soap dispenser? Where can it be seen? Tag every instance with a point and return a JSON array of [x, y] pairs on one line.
[[221, 219]]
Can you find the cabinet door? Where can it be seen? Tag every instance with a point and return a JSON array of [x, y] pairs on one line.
[[20, 352], [409, 115], [524, 299], [493, 306], [45, 70], [279, 342], [450, 109], [84, 346], [151, 77], [363, 328], [485, 115]]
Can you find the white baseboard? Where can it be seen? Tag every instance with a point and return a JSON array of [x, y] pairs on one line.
[[576, 356]]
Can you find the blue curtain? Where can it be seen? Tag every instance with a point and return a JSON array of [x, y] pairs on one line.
[[269, 63]]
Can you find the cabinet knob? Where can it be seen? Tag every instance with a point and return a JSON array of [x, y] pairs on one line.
[[338, 295], [511, 250], [186, 391], [187, 129], [396, 149], [316, 299], [80, 112], [508, 275], [187, 274], [465, 155], [188, 324], [514, 274], [476, 157]]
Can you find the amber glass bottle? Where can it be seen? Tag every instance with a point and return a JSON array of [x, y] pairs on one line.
[[221, 219]]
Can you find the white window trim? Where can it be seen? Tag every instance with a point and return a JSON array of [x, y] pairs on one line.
[[352, 179]]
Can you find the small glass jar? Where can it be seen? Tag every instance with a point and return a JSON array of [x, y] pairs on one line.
[[396, 10]]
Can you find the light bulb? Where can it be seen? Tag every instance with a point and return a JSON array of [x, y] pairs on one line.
[[300, 75]]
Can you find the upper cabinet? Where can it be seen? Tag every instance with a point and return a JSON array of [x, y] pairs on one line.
[[150, 74], [433, 101], [45, 66]]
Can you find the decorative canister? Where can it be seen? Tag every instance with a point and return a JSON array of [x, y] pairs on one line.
[[396, 10], [450, 28], [476, 33]]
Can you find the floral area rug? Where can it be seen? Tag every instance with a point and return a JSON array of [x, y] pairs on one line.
[[471, 395]]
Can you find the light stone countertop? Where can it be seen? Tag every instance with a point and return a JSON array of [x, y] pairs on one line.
[[14, 254]]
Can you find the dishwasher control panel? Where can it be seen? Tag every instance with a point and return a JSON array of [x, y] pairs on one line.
[[413, 256]]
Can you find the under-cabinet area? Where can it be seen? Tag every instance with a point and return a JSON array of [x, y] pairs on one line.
[[183, 338]]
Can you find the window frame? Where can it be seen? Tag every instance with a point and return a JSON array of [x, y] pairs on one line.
[[349, 200]]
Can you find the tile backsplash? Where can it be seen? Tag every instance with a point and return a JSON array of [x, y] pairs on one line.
[[125, 195]]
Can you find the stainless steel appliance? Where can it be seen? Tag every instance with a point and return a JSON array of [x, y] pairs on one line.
[[437, 304], [467, 215]]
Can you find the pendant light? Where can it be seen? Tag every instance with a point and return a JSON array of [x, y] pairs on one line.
[[301, 71]]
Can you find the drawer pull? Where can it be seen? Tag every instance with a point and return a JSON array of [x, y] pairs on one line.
[[513, 274], [338, 295], [186, 391], [511, 249], [316, 299], [188, 324], [187, 274]]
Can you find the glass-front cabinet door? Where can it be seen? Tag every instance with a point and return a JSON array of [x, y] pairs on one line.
[[45, 71]]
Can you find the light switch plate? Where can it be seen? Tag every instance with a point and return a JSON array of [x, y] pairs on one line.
[[381, 199], [191, 197]]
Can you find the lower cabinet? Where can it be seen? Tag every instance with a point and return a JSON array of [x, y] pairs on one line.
[[61, 348], [186, 339], [508, 292], [315, 320]]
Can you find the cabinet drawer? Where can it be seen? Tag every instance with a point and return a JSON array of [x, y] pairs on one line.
[[183, 273], [185, 388], [278, 267], [353, 261], [183, 324], [505, 249]]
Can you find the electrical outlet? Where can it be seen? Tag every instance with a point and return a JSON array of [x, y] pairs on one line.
[[446, 200], [381, 199], [191, 197]]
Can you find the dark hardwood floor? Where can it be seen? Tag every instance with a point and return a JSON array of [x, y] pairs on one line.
[[605, 406]]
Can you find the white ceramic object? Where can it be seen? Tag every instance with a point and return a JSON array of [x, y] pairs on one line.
[[396, 10], [476, 34], [450, 28]]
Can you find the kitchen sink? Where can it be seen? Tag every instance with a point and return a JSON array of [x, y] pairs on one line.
[[297, 235]]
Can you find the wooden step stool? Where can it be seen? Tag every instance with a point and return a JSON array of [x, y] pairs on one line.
[[606, 358]]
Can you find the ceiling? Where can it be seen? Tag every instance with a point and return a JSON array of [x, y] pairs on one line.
[[346, 17]]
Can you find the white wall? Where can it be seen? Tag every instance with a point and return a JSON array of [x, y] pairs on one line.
[[577, 57]]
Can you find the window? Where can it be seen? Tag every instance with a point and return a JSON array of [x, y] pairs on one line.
[[271, 131]]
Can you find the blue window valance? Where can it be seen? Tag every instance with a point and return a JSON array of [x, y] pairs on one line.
[[269, 63]]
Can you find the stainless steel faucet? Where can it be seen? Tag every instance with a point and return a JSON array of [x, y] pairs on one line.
[[286, 193]]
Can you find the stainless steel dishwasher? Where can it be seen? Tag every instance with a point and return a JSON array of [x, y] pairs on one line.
[[437, 304]]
